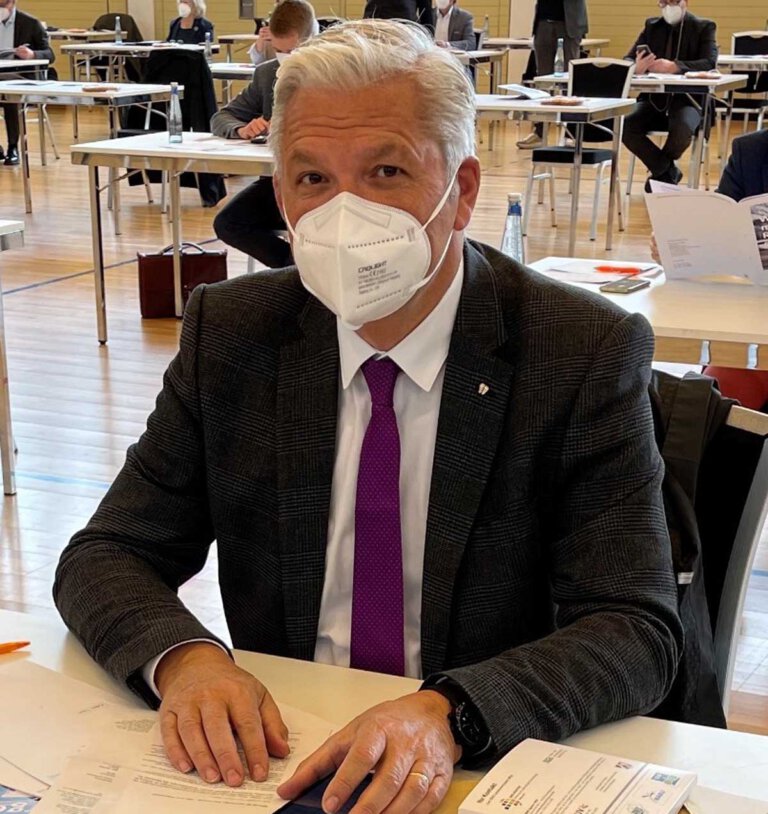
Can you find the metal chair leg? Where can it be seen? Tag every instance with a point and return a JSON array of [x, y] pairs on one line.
[[596, 201], [51, 137], [552, 198], [527, 200]]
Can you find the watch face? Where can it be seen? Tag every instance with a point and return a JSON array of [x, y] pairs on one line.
[[468, 728]]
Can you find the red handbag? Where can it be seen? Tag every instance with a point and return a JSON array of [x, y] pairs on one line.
[[156, 277]]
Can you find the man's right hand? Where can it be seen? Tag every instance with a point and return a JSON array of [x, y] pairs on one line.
[[255, 127], [643, 62], [207, 702]]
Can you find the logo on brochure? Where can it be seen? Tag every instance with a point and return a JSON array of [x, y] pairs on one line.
[[635, 809], [510, 802], [669, 779]]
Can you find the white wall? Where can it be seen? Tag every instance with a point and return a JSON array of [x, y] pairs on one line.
[[520, 25], [143, 11]]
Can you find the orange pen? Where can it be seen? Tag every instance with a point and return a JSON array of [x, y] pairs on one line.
[[619, 269], [10, 647]]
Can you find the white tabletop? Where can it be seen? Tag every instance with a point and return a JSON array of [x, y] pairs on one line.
[[130, 49], [492, 103], [227, 39], [20, 64], [737, 60], [75, 90], [11, 237], [684, 309], [195, 146], [232, 70], [732, 762], [80, 34], [726, 81], [527, 42], [8, 227]]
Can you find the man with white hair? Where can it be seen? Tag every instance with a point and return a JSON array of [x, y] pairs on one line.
[[417, 457]]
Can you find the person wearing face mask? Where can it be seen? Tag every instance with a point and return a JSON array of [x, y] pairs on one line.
[[21, 37], [262, 50], [416, 457], [454, 27], [675, 42], [251, 221], [190, 27]]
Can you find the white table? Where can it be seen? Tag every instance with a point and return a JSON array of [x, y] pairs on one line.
[[11, 237], [117, 53], [731, 762], [199, 152], [18, 65], [80, 35], [21, 92], [590, 110], [739, 62], [229, 72], [492, 57], [698, 323], [526, 43]]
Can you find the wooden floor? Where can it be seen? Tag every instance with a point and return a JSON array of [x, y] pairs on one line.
[[77, 405]]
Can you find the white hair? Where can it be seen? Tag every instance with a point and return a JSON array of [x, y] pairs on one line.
[[362, 53], [198, 7]]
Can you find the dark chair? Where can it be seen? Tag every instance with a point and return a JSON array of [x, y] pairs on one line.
[[198, 104], [106, 22], [601, 77]]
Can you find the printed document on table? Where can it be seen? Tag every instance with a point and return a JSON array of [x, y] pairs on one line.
[[706, 235], [538, 777], [132, 773], [47, 717]]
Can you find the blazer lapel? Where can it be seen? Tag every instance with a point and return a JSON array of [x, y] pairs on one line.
[[765, 176], [307, 395], [472, 412]]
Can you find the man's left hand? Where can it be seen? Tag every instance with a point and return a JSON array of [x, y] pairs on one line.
[[23, 52], [664, 66], [442, 44], [409, 744]]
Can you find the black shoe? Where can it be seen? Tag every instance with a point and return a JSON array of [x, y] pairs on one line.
[[11, 157], [2, 154], [672, 176]]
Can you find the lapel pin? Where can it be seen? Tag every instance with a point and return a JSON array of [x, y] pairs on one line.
[[483, 388]]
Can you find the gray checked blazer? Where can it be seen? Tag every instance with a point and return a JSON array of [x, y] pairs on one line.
[[461, 32], [548, 592]]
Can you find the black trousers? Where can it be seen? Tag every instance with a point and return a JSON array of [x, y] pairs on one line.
[[545, 49], [681, 119], [250, 222], [11, 113]]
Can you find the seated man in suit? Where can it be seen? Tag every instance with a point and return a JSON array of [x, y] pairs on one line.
[[676, 42], [251, 221], [21, 37], [416, 456], [454, 27]]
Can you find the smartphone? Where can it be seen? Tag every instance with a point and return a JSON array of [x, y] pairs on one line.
[[642, 50], [626, 286], [262, 139], [311, 801]]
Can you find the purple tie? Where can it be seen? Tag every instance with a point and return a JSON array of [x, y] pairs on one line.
[[377, 597]]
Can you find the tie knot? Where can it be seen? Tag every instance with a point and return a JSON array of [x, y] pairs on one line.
[[381, 375]]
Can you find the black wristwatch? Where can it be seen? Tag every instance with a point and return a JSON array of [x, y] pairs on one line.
[[467, 724]]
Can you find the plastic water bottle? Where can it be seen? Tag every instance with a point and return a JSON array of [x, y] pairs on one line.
[[175, 127], [560, 58], [512, 241], [208, 45], [118, 31], [486, 25]]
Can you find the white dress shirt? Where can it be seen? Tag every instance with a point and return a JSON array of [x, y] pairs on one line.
[[421, 357], [7, 30], [442, 22]]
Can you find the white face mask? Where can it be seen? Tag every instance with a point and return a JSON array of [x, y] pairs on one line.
[[281, 56], [672, 14], [5, 14], [364, 260], [184, 10], [443, 4]]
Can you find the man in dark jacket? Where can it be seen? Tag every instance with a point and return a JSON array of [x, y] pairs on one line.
[[674, 43], [251, 221], [419, 11], [24, 37]]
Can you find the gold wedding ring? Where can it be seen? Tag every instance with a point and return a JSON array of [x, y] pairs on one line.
[[424, 777]]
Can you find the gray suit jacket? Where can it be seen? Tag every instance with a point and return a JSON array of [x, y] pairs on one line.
[[29, 30], [255, 101], [461, 31], [548, 592]]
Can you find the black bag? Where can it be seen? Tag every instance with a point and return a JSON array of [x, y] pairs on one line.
[[688, 413], [156, 296]]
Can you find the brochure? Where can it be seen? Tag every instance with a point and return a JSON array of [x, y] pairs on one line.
[[16, 802], [708, 235], [538, 777]]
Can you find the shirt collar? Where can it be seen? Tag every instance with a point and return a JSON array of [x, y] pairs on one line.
[[12, 19], [421, 354]]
